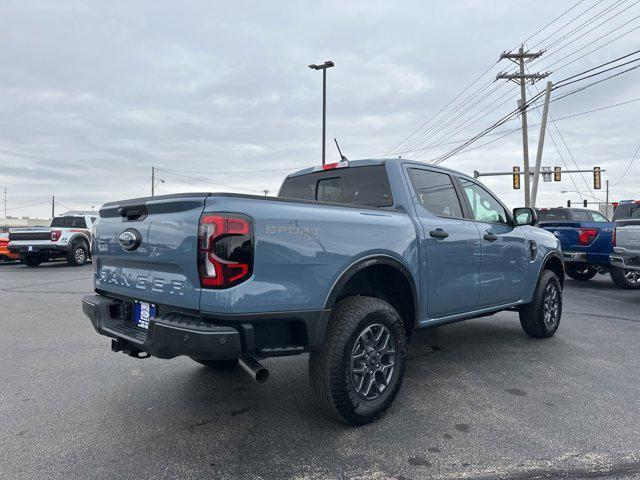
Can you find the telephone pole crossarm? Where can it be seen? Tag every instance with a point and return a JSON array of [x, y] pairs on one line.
[[516, 76]]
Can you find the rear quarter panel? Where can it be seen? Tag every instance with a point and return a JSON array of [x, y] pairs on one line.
[[567, 232], [301, 249]]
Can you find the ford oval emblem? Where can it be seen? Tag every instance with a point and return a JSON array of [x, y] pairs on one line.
[[130, 239]]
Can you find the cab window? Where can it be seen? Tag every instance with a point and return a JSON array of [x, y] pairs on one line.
[[580, 216], [436, 192], [484, 206], [598, 217]]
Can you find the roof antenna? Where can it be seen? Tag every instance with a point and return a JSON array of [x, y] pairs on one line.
[[342, 157]]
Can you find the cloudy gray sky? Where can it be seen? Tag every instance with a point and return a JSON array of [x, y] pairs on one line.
[[93, 94]]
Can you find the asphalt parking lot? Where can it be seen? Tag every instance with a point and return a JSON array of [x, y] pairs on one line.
[[480, 400]]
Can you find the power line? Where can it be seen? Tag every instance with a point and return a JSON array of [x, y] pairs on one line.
[[224, 172], [552, 22], [584, 24], [567, 24], [27, 206], [591, 43], [600, 66], [513, 130], [594, 83], [210, 183], [628, 166]]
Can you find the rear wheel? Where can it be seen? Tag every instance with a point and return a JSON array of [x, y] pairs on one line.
[[541, 318], [356, 374], [78, 254], [31, 260], [580, 271], [628, 279], [217, 364]]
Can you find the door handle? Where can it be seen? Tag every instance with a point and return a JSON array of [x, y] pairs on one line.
[[438, 233], [490, 237]]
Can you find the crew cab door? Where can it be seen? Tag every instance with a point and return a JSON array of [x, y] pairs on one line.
[[449, 244], [506, 253]]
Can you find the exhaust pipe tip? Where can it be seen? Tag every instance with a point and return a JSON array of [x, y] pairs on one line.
[[255, 369]]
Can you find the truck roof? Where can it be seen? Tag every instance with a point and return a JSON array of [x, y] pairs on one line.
[[378, 161]]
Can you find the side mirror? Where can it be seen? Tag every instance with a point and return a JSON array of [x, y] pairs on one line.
[[525, 216]]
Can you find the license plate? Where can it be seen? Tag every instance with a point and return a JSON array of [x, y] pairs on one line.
[[143, 313], [31, 248]]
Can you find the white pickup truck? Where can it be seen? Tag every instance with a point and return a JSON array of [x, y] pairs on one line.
[[626, 243], [68, 236]]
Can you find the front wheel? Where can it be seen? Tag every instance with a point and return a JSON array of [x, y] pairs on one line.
[[628, 279], [541, 318], [580, 271], [78, 255], [357, 372]]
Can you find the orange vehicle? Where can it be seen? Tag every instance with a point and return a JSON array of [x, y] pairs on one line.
[[5, 254]]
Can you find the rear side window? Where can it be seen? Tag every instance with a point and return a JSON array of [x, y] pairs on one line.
[[436, 192], [597, 217], [368, 186], [69, 222], [553, 214], [580, 216], [627, 210]]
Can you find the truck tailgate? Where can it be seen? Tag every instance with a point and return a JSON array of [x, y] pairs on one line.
[[162, 267]]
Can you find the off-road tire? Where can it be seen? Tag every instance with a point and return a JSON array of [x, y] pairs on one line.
[[620, 278], [579, 271], [31, 260], [532, 316], [329, 365], [78, 254], [217, 364]]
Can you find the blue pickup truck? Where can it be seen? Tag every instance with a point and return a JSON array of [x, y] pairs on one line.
[[587, 239], [346, 263]]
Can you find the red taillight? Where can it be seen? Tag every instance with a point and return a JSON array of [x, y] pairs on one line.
[[586, 235], [55, 235], [225, 249], [4, 243], [613, 237]]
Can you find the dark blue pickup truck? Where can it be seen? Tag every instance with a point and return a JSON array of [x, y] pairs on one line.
[[346, 263], [587, 242]]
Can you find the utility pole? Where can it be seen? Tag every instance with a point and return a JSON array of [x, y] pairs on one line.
[[153, 180], [323, 67], [521, 78], [606, 211], [53, 206], [543, 129]]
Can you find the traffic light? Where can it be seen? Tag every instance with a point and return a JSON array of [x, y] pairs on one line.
[[557, 174], [516, 178], [568, 203], [597, 184], [584, 203]]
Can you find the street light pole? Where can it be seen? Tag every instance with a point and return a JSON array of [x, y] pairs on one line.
[[323, 67]]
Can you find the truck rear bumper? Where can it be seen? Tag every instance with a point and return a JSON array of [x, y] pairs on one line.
[[207, 337], [574, 256], [167, 337], [49, 249], [625, 260]]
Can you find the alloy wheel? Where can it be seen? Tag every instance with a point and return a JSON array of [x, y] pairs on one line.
[[632, 276], [79, 255], [551, 305], [373, 361]]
